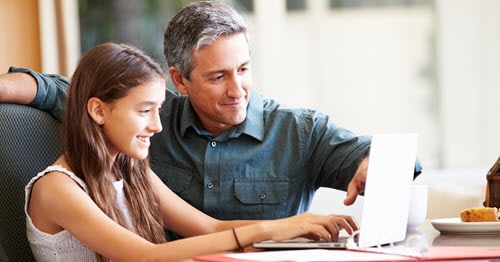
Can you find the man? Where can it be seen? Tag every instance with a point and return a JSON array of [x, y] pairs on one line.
[[224, 148]]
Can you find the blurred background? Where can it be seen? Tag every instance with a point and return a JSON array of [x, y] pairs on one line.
[[375, 66]]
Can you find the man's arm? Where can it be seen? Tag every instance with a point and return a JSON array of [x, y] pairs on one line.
[[46, 92], [17, 88]]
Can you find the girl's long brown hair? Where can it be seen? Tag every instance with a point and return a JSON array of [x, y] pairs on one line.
[[108, 72]]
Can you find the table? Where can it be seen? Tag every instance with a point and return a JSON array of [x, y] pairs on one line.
[[433, 237]]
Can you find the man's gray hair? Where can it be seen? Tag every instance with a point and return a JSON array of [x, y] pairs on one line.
[[196, 25]]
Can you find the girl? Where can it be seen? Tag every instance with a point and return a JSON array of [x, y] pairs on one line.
[[101, 201]]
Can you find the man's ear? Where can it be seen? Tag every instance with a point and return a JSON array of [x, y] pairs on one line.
[[178, 79], [95, 108]]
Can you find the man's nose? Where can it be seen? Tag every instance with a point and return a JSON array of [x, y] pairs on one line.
[[235, 87]]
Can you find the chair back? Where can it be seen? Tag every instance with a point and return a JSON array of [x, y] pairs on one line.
[[29, 142]]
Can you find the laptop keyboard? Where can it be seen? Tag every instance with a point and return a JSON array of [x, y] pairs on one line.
[[341, 239]]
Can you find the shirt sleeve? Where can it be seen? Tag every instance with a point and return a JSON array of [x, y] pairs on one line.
[[338, 152], [51, 92], [332, 152]]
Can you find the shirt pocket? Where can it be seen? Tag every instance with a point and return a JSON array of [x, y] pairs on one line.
[[261, 198]]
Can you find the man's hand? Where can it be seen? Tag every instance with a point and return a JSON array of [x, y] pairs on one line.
[[357, 184]]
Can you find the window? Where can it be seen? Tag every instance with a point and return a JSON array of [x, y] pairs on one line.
[[339, 4], [295, 5]]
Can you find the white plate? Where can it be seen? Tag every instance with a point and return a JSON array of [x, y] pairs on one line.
[[455, 226]]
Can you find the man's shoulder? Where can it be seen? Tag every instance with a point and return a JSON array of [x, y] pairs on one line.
[[272, 107]]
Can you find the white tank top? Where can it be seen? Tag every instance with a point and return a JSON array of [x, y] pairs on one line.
[[62, 246]]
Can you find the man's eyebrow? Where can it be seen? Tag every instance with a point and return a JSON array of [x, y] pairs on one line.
[[207, 74], [245, 63]]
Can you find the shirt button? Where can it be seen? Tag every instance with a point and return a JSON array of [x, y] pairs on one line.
[[210, 185], [213, 144], [262, 196]]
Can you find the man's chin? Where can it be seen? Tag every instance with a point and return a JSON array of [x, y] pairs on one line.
[[236, 119], [234, 122], [240, 119]]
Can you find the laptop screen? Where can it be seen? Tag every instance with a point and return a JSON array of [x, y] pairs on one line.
[[387, 190]]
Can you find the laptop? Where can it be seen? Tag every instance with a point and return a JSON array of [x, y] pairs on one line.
[[385, 204]]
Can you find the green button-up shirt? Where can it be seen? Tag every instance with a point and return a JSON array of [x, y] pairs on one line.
[[267, 167]]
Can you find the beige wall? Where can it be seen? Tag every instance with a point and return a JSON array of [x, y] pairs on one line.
[[20, 40], [431, 70], [40, 34]]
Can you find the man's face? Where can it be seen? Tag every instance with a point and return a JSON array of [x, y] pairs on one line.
[[220, 85]]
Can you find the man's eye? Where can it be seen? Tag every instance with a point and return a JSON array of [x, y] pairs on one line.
[[217, 78]]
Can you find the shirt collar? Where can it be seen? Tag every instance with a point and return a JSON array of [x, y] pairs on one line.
[[254, 122], [253, 125]]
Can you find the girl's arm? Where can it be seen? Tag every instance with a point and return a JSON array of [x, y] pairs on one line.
[[213, 235], [77, 213], [57, 202]]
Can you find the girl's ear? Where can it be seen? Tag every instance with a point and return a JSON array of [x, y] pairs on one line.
[[178, 79], [95, 108]]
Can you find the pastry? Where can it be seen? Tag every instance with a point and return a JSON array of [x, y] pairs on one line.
[[479, 214]]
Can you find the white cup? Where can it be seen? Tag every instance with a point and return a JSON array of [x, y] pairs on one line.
[[418, 206]]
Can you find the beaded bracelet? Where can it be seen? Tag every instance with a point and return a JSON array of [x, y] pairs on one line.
[[240, 248]]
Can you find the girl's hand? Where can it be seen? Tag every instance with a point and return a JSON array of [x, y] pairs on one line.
[[311, 226]]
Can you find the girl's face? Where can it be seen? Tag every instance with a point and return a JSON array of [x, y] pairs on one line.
[[131, 121]]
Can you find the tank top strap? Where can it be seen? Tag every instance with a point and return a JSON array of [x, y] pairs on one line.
[[58, 168]]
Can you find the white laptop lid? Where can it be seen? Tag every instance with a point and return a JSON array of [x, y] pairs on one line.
[[387, 190]]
